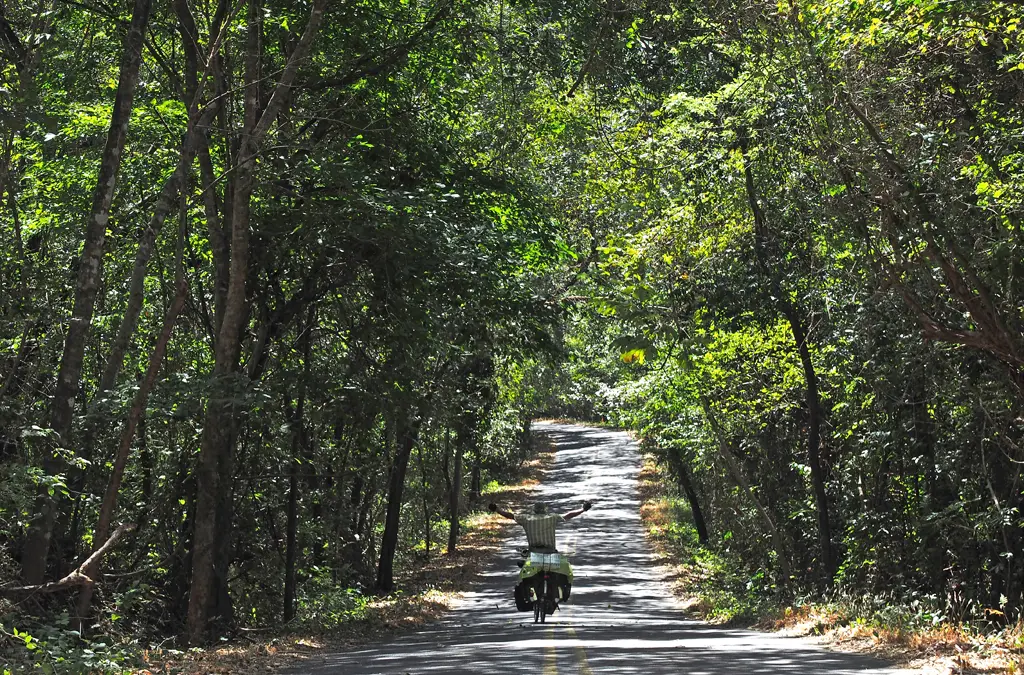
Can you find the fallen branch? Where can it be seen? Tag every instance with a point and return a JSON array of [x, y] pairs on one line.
[[76, 578]]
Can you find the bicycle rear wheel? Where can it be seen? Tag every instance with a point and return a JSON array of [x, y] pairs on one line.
[[544, 602]]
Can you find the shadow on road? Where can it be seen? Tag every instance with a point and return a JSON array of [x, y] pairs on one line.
[[621, 617]]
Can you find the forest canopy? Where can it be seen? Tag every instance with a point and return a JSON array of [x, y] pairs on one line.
[[284, 284]]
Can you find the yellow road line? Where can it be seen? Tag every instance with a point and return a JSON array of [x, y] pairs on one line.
[[550, 666], [581, 655]]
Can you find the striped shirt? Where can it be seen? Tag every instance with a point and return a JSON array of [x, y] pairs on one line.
[[540, 529]]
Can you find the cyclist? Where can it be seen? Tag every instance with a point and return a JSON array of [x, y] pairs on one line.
[[540, 529]]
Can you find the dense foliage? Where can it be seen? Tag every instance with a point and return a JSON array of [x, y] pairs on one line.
[[282, 280], [810, 263]]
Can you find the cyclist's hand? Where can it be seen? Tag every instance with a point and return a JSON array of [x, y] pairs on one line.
[[587, 506], [492, 507]]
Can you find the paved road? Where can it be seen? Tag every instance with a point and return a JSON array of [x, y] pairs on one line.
[[620, 619]]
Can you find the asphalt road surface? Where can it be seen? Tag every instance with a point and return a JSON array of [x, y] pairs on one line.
[[621, 617]]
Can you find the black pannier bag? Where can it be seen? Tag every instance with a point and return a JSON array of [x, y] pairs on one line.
[[523, 603]]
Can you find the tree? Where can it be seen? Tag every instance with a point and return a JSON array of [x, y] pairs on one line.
[[90, 270]]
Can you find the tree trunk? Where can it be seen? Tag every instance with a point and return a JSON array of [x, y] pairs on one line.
[[291, 549], [455, 493], [349, 551], [77, 577], [362, 521], [475, 486], [736, 472], [173, 187], [683, 476], [90, 271], [219, 245], [813, 400], [211, 543], [135, 414], [146, 462], [814, 443], [214, 475], [292, 527], [408, 432], [424, 485]]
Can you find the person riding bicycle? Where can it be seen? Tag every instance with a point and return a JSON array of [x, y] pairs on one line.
[[540, 529]]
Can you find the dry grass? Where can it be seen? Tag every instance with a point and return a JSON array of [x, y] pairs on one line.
[[428, 591], [656, 516], [944, 649]]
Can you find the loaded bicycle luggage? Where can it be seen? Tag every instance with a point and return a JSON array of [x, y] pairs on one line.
[[545, 579]]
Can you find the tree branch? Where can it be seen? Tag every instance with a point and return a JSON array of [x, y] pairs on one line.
[[79, 577]]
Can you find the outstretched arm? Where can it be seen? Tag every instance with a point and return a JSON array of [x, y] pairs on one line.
[[494, 508], [572, 514]]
